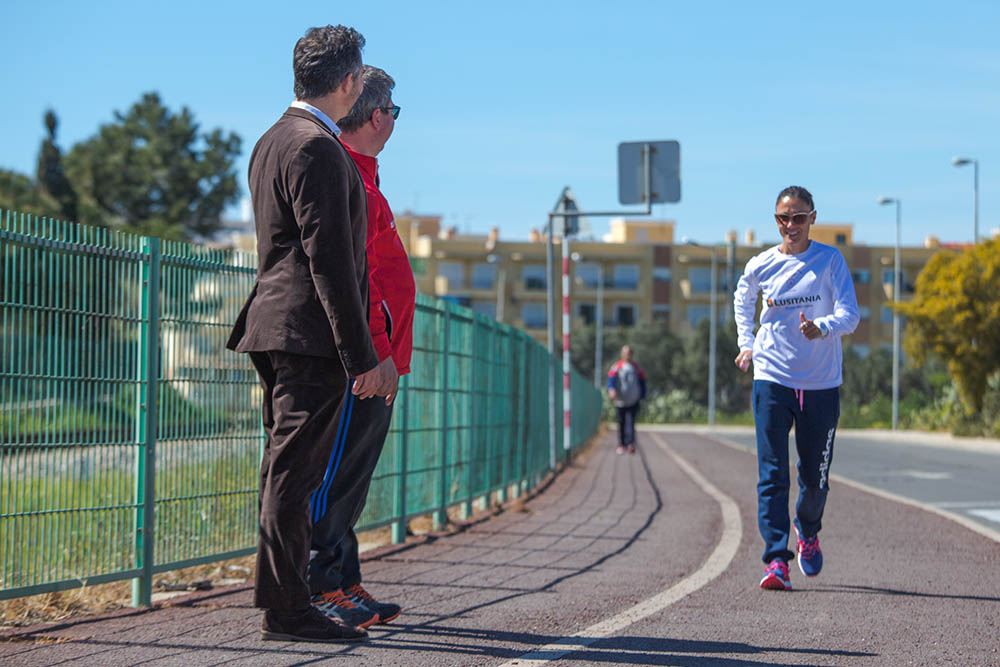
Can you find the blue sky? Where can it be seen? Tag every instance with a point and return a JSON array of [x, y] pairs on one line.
[[506, 103]]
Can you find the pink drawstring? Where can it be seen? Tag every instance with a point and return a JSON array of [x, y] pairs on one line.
[[801, 393]]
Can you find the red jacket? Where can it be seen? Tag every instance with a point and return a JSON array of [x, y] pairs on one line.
[[392, 290]]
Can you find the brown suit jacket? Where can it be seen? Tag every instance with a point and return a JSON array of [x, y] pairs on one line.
[[311, 293]]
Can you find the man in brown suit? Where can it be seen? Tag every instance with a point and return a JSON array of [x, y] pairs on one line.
[[305, 324]]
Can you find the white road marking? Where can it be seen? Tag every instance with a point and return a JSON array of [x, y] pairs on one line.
[[716, 564], [922, 474], [989, 515], [974, 526], [968, 504]]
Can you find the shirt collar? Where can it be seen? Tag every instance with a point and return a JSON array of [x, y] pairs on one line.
[[298, 104]]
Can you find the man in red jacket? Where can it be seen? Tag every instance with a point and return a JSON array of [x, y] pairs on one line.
[[334, 568]]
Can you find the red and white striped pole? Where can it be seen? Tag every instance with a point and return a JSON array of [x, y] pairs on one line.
[[567, 431]]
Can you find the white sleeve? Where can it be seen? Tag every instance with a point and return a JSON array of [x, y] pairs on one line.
[[845, 317], [745, 305]]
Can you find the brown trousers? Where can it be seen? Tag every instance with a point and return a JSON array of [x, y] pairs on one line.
[[303, 397]]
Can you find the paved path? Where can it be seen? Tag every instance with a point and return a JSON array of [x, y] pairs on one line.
[[644, 560]]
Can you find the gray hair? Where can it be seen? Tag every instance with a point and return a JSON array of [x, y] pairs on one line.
[[323, 58], [376, 94]]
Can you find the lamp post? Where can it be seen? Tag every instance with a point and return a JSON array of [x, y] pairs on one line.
[[961, 162], [885, 201], [711, 332], [599, 320], [501, 284]]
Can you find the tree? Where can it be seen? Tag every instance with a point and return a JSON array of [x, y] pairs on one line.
[[657, 351], [51, 175], [732, 385], [955, 314], [19, 193], [154, 172]]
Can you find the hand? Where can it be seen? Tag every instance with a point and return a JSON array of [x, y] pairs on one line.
[[390, 380], [743, 359], [368, 383], [612, 394], [809, 328]]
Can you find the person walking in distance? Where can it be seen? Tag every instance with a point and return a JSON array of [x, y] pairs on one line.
[[809, 303], [305, 323], [626, 388], [334, 566]]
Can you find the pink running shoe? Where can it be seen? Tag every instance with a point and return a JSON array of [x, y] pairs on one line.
[[810, 557], [776, 576]]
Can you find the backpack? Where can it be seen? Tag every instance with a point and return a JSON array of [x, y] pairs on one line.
[[628, 388]]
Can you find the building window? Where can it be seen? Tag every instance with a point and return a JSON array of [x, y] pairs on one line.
[[889, 277], [625, 315], [862, 276], [841, 239], [861, 349], [534, 276], [454, 272], [661, 273], [701, 279], [661, 311], [483, 276], [586, 312], [626, 276], [586, 274], [419, 265], [886, 315], [865, 312], [696, 313], [487, 308], [533, 314]]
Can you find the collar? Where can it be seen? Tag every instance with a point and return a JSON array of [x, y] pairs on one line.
[[298, 104]]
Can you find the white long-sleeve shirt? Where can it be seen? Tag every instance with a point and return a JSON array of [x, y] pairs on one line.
[[817, 284]]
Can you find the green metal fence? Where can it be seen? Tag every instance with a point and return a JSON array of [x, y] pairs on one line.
[[130, 438]]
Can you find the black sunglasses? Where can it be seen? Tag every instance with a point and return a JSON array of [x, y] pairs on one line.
[[394, 110]]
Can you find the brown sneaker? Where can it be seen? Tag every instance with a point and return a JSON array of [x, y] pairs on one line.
[[308, 625]]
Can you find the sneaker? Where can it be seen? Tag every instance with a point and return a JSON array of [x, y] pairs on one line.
[[336, 605], [631, 449], [776, 576], [387, 611], [620, 449], [309, 625], [810, 556]]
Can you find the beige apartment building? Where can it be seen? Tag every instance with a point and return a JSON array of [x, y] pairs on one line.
[[646, 276]]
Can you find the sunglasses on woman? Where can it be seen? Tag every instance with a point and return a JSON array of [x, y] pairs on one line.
[[794, 218]]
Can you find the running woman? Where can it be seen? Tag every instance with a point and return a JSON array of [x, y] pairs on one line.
[[809, 303]]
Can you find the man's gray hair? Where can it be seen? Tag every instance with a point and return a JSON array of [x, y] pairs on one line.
[[376, 94]]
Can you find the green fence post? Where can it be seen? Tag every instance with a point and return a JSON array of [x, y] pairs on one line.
[[505, 443], [471, 433], [525, 412], [399, 525], [145, 422], [441, 515]]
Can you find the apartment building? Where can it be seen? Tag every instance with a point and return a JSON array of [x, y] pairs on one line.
[[645, 275]]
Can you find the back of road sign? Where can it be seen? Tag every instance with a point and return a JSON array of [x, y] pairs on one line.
[[664, 176]]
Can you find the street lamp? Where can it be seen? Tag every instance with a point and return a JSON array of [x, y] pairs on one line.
[[599, 318], [885, 201], [961, 162], [711, 333], [501, 285]]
